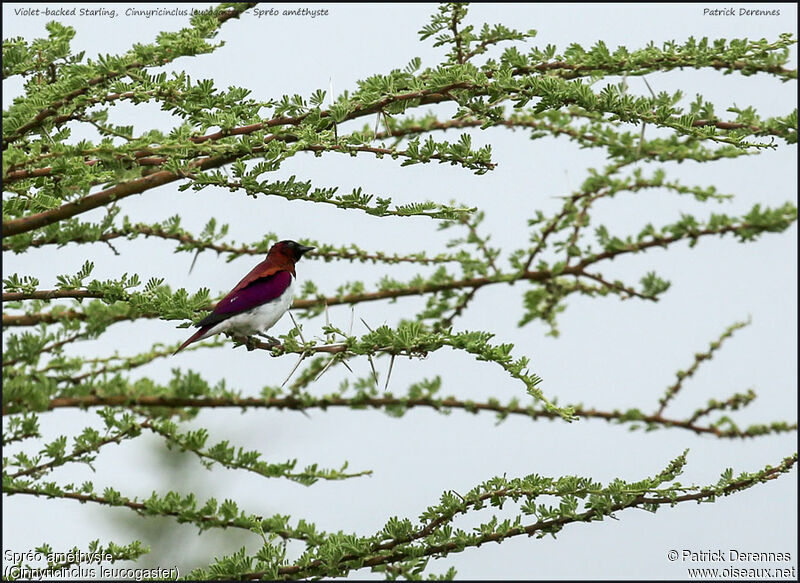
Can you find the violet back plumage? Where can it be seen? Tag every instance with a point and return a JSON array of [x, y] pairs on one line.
[[260, 291], [259, 300]]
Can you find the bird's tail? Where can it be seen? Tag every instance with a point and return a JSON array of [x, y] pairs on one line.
[[194, 337]]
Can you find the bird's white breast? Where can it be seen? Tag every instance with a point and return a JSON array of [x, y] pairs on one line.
[[259, 319]]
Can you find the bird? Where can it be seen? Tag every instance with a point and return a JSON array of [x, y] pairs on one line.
[[259, 300]]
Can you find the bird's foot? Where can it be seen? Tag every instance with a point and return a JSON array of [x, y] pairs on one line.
[[270, 339], [252, 342]]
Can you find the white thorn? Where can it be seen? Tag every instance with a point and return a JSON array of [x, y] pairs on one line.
[[302, 356]]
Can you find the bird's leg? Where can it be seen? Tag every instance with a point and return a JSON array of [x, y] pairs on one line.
[[250, 342], [272, 341]]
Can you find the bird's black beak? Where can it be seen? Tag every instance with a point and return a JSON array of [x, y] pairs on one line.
[[302, 249]]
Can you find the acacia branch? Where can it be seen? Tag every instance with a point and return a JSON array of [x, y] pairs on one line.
[[423, 97], [52, 109], [225, 248], [481, 244], [48, 348], [80, 452], [51, 294], [18, 171], [456, 35], [578, 270], [460, 307], [570, 204], [658, 241], [699, 358], [347, 149], [146, 158], [666, 63], [618, 287], [143, 509], [104, 197], [734, 402], [293, 403], [542, 125], [260, 467], [159, 178], [376, 555], [299, 304], [125, 364], [149, 157]]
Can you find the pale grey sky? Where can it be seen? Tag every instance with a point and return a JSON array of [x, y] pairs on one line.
[[611, 354]]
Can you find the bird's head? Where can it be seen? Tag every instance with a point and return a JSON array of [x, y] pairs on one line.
[[291, 250]]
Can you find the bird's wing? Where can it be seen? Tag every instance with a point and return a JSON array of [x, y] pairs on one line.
[[248, 295], [270, 266]]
